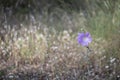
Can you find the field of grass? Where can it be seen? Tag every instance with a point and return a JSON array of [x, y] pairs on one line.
[[48, 49]]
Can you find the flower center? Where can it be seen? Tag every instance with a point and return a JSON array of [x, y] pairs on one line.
[[85, 39]]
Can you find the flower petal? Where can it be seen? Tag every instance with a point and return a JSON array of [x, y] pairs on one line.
[[84, 38]]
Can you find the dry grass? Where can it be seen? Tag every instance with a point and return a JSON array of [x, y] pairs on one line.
[[54, 53], [57, 55]]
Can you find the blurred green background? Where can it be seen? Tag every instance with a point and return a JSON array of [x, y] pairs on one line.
[[99, 17]]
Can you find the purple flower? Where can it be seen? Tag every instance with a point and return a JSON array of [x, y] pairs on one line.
[[84, 38]]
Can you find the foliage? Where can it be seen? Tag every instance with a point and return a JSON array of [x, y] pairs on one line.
[[68, 5], [47, 46]]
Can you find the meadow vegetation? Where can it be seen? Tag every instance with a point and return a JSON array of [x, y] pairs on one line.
[[45, 46]]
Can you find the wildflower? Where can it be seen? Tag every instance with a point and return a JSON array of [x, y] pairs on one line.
[[112, 59], [106, 66], [84, 39]]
